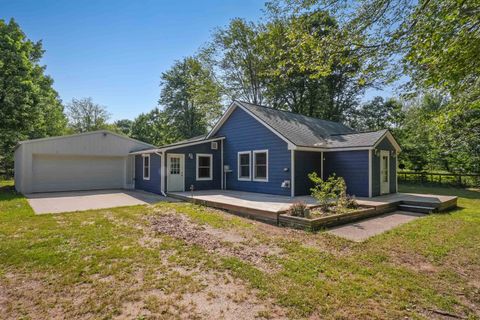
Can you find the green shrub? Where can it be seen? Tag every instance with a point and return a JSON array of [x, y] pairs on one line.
[[332, 191], [299, 209]]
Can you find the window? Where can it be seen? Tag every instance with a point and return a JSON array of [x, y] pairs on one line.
[[174, 165], [260, 165], [244, 172], [204, 166], [146, 167]]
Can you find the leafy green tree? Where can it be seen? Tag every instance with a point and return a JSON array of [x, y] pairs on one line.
[[153, 127], [326, 88], [124, 126], [234, 53], [378, 114], [416, 134], [29, 106], [85, 115], [191, 98]]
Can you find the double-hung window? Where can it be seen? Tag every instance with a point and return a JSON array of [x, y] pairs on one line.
[[260, 165], [204, 167], [146, 167], [244, 167]]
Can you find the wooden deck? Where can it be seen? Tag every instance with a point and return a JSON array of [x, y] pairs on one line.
[[267, 207]]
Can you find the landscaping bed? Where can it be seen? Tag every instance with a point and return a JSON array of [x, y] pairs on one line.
[[319, 222]]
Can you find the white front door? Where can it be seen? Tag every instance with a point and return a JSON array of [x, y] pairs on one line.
[[175, 172], [384, 172]]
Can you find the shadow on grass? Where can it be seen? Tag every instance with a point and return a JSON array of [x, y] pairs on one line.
[[8, 192]]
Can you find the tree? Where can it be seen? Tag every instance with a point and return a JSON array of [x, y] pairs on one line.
[[234, 51], [416, 135], [378, 114], [124, 126], [326, 88], [29, 106], [85, 115], [153, 128], [191, 98]]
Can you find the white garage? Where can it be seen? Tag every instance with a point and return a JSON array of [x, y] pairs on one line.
[[88, 161]]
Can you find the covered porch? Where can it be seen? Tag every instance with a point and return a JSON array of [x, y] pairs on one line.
[[267, 207]]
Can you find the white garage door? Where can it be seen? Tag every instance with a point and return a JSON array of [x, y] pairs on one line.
[[65, 173]]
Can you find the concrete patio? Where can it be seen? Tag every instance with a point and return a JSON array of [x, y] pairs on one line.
[[56, 202]]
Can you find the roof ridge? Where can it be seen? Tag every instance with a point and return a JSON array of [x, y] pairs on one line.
[[291, 112], [359, 132]]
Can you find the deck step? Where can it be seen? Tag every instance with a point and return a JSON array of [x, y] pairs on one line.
[[413, 208]]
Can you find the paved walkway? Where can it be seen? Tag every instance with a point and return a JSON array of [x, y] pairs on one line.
[[364, 229], [56, 202]]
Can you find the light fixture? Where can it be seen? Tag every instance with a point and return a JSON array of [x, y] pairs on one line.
[[190, 156]]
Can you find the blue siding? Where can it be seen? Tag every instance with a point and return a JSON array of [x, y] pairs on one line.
[[352, 166], [191, 166], [244, 133], [383, 145], [305, 163], [152, 185]]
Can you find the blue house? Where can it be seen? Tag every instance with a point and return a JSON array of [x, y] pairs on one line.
[[259, 149]]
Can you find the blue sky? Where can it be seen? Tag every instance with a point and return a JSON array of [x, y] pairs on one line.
[[115, 51]]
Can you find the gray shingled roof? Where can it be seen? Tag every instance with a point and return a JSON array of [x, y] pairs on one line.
[[311, 132], [298, 129], [362, 139]]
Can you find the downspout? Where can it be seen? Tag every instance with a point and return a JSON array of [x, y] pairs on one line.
[[162, 172]]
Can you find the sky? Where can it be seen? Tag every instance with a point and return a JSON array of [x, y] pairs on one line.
[[115, 50]]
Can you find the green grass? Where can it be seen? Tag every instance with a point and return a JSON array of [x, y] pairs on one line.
[[431, 263]]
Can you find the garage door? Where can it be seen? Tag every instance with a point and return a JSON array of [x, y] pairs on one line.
[[65, 173]]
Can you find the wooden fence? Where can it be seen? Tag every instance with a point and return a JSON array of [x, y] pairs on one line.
[[456, 179]]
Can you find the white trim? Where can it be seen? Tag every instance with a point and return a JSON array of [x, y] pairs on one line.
[[204, 155], [292, 175], [315, 149], [229, 111], [369, 173], [396, 174], [382, 153], [249, 166], [162, 172], [85, 134], [254, 152], [390, 138], [221, 157], [176, 146], [146, 156], [182, 167]]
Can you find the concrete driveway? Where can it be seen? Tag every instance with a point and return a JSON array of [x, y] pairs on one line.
[[56, 202], [364, 229]]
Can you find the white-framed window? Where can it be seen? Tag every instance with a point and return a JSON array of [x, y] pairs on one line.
[[260, 165], [244, 165], [204, 166], [146, 166]]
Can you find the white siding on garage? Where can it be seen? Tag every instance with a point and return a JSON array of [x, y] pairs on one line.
[[94, 160], [59, 173]]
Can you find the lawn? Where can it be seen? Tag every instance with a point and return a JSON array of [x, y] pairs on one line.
[[178, 260]]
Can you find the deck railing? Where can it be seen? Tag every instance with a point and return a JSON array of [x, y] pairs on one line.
[[455, 179]]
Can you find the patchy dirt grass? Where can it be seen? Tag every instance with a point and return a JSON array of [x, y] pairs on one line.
[[181, 261]]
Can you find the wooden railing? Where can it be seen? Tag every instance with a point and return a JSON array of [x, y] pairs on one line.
[[457, 179]]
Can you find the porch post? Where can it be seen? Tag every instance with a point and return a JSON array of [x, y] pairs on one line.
[[292, 173], [369, 173]]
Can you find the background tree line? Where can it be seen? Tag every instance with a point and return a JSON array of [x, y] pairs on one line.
[[314, 57]]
